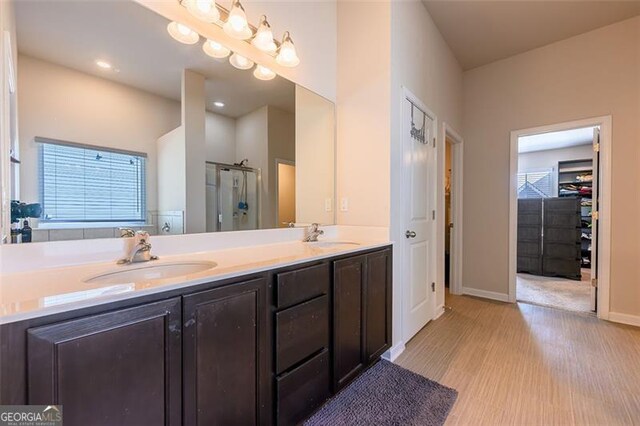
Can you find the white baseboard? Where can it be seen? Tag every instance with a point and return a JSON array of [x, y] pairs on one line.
[[485, 294], [394, 352], [439, 312], [625, 318]]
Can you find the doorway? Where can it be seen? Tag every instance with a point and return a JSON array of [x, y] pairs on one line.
[[451, 224], [559, 219]]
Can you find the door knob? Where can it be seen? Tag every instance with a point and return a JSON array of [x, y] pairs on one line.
[[410, 234]]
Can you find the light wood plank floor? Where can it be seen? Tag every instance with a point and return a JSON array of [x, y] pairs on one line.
[[522, 364]]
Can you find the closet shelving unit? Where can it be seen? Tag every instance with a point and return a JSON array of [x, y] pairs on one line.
[[575, 179]]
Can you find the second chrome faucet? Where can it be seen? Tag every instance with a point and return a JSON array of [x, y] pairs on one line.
[[140, 250]]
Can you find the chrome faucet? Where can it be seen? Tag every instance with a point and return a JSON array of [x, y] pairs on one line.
[[140, 251], [312, 233]]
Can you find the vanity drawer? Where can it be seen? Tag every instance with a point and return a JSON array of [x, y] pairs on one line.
[[302, 284], [301, 331], [302, 390]]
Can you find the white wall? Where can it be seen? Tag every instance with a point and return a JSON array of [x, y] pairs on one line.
[[549, 158], [423, 63], [60, 103], [252, 142], [220, 134], [171, 171], [593, 74], [315, 157]]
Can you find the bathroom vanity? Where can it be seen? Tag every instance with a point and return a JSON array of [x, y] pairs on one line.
[[258, 348]]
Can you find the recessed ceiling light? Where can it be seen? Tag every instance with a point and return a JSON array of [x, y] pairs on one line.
[[103, 64], [218, 104]]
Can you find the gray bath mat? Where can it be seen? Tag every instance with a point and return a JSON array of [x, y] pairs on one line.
[[387, 394]]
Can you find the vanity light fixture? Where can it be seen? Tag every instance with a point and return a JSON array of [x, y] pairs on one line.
[[263, 73], [287, 56], [205, 10], [182, 33], [237, 25], [103, 64], [218, 104], [263, 39], [240, 62], [215, 49]]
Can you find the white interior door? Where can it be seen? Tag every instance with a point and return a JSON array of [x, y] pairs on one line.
[[595, 193], [419, 195]]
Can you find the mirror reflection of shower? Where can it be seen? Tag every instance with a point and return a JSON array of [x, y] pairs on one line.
[[232, 197]]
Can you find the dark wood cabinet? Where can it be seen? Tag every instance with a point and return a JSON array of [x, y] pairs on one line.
[[348, 306], [377, 297], [261, 349], [118, 368], [362, 313], [226, 372]]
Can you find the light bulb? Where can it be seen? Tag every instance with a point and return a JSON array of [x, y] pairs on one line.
[[182, 33], [240, 62], [264, 37], [263, 73], [215, 49], [237, 25], [287, 55], [204, 10]]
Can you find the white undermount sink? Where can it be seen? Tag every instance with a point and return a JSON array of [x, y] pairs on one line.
[[150, 271], [333, 244]]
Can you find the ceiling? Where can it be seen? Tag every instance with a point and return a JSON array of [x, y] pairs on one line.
[[135, 40], [555, 140], [480, 32]]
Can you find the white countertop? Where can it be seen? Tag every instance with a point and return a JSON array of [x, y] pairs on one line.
[[30, 294]]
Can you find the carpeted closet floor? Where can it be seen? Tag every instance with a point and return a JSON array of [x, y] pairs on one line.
[[555, 292]]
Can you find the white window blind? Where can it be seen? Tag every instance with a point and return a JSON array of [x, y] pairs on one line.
[[82, 183], [535, 184]]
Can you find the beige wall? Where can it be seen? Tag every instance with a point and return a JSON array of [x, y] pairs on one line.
[[363, 111], [315, 157], [594, 74], [60, 103]]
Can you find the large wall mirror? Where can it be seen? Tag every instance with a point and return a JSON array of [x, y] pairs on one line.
[[121, 126]]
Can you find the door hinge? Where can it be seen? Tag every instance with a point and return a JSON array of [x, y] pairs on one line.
[[433, 287], [594, 282], [433, 214], [596, 147], [595, 215], [434, 142]]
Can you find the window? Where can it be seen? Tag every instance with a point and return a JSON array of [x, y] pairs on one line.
[[535, 184], [81, 183]]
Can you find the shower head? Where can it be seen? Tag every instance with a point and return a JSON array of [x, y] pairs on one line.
[[242, 163]]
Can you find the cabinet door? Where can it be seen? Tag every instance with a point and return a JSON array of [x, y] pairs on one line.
[[225, 364], [117, 368], [377, 306], [348, 286]]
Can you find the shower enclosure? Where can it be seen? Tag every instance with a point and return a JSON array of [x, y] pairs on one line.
[[232, 197]]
